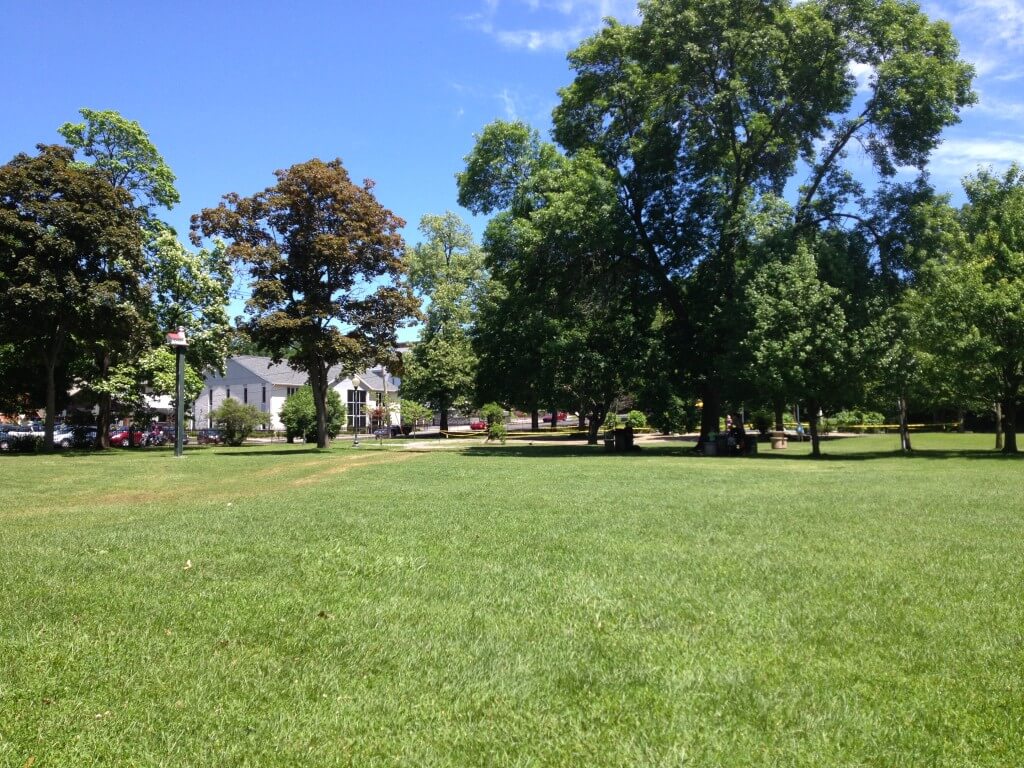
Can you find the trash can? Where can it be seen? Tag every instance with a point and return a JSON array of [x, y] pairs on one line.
[[779, 440]]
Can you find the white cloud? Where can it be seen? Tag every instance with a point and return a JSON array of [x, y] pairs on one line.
[[553, 25], [509, 103], [862, 73], [1000, 108], [960, 156]]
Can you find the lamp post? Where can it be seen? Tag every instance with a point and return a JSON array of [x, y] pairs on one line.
[[179, 344]]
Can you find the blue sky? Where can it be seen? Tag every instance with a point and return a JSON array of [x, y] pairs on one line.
[[229, 92]]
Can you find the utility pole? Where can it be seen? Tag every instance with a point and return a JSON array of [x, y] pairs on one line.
[[179, 344]]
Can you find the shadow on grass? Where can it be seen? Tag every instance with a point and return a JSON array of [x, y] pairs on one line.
[[687, 451], [273, 452]]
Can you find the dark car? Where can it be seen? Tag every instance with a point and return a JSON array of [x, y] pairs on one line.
[[12, 434], [209, 437]]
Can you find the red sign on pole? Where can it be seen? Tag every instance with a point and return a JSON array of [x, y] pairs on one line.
[[177, 338]]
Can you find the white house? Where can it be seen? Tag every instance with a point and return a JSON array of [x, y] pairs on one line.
[[260, 382]]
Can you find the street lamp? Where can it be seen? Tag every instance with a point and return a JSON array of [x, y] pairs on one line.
[[179, 344]]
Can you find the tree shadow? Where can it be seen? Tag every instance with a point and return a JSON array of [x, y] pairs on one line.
[[276, 452], [688, 451]]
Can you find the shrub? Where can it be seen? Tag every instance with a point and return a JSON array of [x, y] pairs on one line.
[[611, 421], [763, 421], [636, 420], [870, 420], [413, 414], [496, 431], [237, 420], [298, 414], [493, 414]]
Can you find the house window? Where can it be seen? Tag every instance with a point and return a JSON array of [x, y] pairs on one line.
[[211, 398], [264, 400], [227, 393], [289, 391], [356, 409], [245, 395]]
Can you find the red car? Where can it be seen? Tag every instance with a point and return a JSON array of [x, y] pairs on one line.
[[477, 424], [562, 415], [139, 438]]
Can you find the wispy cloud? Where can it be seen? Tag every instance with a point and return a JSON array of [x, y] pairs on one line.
[[959, 156], [508, 102], [546, 25]]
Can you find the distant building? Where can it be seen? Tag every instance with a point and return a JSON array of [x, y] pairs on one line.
[[259, 381]]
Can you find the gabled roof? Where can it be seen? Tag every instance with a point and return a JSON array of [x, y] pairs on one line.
[[375, 382], [274, 373]]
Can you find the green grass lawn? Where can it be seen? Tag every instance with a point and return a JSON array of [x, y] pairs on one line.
[[518, 605]]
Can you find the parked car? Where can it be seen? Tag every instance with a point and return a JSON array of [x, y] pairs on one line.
[[210, 437], [12, 434], [124, 437], [63, 437], [477, 424], [562, 416]]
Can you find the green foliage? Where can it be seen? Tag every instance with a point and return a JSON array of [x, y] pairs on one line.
[[763, 421], [870, 420], [237, 420], [312, 243], [414, 414], [674, 415], [496, 430], [492, 413], [70, 259], [611, 421], [636, 420], [446, 268], [123, 152], [298, 414]]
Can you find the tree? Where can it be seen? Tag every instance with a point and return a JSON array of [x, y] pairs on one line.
[[325, 260], [969, 307], [413, 414], [702, 111], [237, 420], [120, 150], [298, 414], [445, 269], [70, 254]]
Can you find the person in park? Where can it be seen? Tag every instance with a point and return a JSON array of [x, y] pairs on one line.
[[737, 436]]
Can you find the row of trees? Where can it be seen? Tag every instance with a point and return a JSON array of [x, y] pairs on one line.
[[695, 231]]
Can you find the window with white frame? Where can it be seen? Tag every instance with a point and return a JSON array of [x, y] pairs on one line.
[[356, 409]]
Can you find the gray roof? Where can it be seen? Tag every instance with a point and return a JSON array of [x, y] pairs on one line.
[[275, 373], [285, 375]]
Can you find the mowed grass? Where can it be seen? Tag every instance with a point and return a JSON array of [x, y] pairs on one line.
[[518, 605]]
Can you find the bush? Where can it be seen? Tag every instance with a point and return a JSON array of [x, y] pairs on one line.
[[496, 431], [763, 421], [237, 420], [298, 414], [636, 420], [675, 416], [414, 414], [611, 421], [493, 414], [870, 421]]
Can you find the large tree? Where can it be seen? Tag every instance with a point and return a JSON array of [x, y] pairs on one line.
[[70, 258], [969, 305], [446, 269], [325, 259], [703, 109], [120, 150]]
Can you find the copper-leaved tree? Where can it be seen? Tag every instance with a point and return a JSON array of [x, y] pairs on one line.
[[325, 259]]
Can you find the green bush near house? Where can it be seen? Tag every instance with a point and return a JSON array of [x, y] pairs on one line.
[[237, 420], [298, 414]]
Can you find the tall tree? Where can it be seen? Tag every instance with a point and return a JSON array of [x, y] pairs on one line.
[[325, 259], [704, 108], [120, 150], [969, 306], [446, 269], [70, 256]]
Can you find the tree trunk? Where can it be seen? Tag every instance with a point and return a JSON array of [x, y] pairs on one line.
[[318, 385], [998, 408], [535, 420], [595, 424], [51, 402], [813, 421], [778, 406], [1010, 424], [104, 403], [554, 419], [444, 416], [904, 427], [709, 413]]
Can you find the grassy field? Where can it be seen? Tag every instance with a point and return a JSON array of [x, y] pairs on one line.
[[517, 605]]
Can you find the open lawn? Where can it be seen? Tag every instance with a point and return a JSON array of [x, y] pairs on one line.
[[518, 605]]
